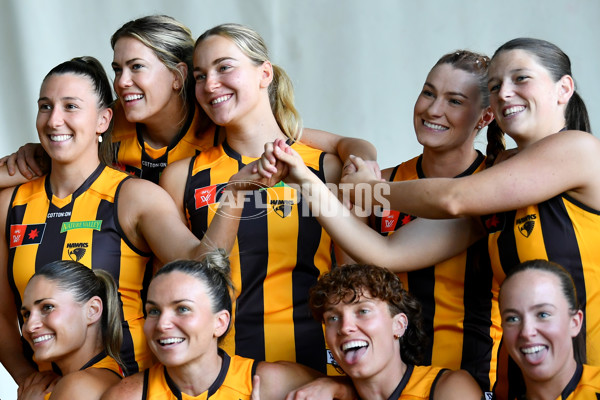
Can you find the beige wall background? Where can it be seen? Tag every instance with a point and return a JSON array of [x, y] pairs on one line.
[[357, 65]]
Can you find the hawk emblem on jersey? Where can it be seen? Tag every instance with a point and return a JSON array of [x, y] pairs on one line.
[[283, 208], [21, 235], [526, 224], [77, 254]]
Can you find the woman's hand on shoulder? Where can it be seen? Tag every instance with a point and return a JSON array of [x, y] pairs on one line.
[[26, 160]]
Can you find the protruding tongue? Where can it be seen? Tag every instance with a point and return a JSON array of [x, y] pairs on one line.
[[536, 357], [352, 356]]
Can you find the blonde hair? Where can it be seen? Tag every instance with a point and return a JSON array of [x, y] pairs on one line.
[[281, 90]]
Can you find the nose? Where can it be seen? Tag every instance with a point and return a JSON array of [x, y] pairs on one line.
[[123, 79], [505, 91], [32, 324], [347, 326], [212, 83], [164, 322], [56, 118], [435, 108], [528, 328]]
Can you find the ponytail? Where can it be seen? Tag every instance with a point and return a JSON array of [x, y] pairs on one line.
[[281, 97], [576, 114], [112, 329]]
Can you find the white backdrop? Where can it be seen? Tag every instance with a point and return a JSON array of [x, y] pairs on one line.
[[357, 65]]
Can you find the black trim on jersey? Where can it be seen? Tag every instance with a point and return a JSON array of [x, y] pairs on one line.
[[222, 373], [421, 284], [398, 391], [572, 385], [580, 204], [176, 139], [216, 141], [435, 382], [118, 225], [146, 383], [477, 321], [218, 382], [394, 172], [469, 171], [98, 357]]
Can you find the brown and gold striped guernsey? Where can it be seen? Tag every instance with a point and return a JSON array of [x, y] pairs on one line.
[[280, 252], [83, 227]]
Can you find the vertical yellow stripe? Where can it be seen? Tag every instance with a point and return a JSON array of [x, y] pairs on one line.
[[529, 247], [448, 321], [84, 209], [586, 225], [278, 287]]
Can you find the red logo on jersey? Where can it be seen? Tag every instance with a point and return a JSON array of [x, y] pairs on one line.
[[205, 196], [389, 220], [21, 235]]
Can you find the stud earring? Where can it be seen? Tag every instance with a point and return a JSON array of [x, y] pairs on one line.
[[478, 126], [396, 337]]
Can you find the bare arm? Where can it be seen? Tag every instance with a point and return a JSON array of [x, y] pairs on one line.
[[419, 244], [11, 354], [457, 385], [342, 146], [8, 180], [90, 384], [173, 180], [282, 378], [564, 162], [129, 388], [28, 160]]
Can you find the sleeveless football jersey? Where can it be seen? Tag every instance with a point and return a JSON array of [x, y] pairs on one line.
[[134, 156], [459, 313], [82, 227], [561, 230], [417, 383], [280, 252], [233, 383]]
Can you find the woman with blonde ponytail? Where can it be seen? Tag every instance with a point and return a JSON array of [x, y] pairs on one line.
[[281, 249], [72, 319]]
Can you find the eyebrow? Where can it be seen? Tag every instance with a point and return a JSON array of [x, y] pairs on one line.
[[450, 93], [534, 307], [23, 308], [127, 62], [67, 98], [148, 301], [217, 61]]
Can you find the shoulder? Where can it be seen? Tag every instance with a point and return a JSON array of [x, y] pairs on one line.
[[457, 385], [88, 384], [131, 387], [175, 173]]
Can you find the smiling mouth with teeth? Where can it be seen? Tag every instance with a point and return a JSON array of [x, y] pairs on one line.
[[165, 342], [220, 99], [434, 126], [531, 350], [132, 97], [513, 110], [42, 338]]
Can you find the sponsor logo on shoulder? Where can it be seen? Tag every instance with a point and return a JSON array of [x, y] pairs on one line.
[[21, 235]]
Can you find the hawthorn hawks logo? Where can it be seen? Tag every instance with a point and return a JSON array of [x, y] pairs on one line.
[[526, 224], [283, 208], [76, 251]]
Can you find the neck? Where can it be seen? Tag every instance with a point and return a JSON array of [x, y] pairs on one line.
[[75, 361], [67, 178], [550, 389], [160, 130], [539, 132], [380, 386], [447, 164], [196, 377]]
